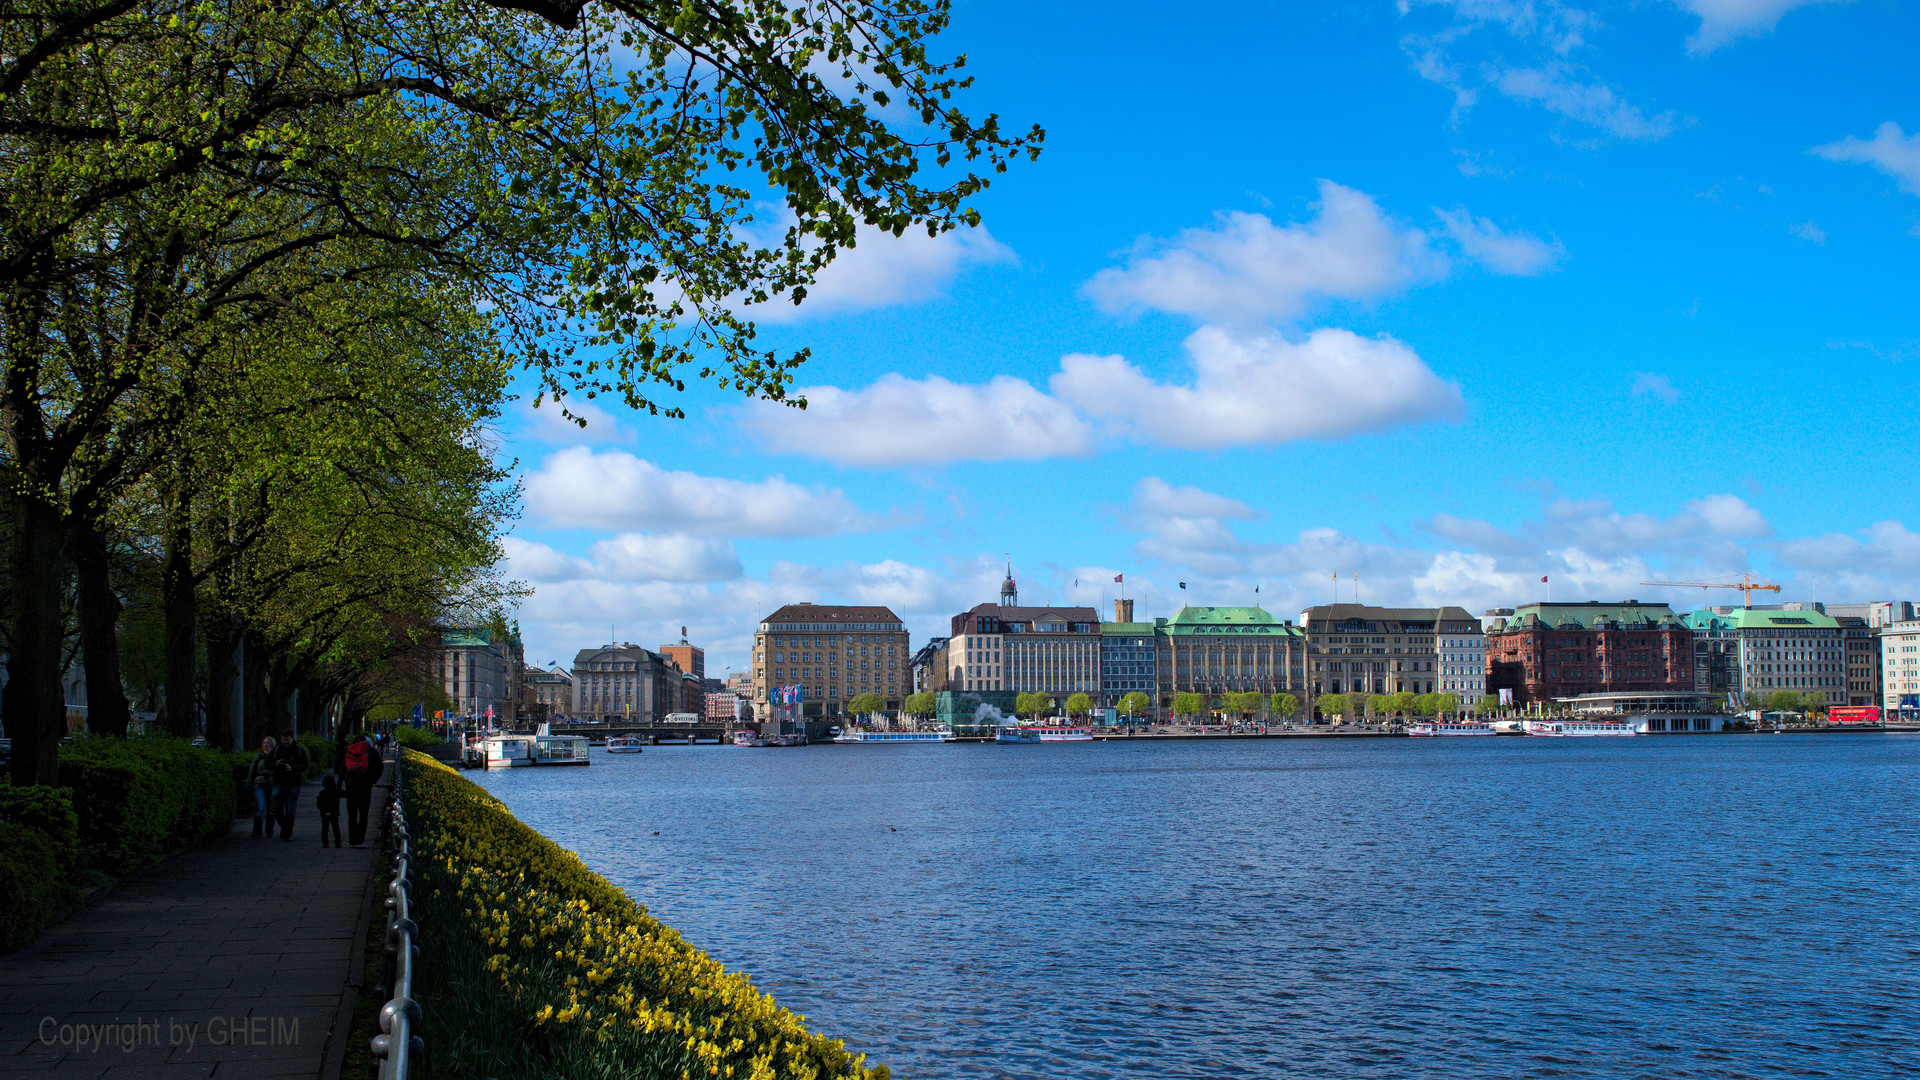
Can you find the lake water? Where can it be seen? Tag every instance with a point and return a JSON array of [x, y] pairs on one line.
[[1704, 906]]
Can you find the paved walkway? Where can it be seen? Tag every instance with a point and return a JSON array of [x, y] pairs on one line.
[[232, 960]]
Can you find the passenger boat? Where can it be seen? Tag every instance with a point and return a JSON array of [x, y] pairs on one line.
[[626, 744], [1037, 733], [855, 735], [560, 750], [1576, 729], [1451, 727], [750, 738], [502, 752]]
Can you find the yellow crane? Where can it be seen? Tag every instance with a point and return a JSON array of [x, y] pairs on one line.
[[1746, 585]]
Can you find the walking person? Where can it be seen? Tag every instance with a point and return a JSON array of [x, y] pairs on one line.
[[260, 782], [363, 768], [289, 770], [328, 803]]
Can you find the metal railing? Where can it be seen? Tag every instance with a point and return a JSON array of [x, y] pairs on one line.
[[397, 1045]]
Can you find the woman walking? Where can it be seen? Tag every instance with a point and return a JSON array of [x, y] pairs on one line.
[[260, 780]]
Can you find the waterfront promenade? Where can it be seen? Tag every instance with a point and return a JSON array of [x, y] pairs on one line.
[[235, 958]]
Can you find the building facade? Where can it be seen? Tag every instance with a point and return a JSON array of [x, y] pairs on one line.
[[1792, 647], [550, 690], [1006, 647], [833, 654], [1716, 652], [928, 668], [1219, 650], [1129, 661], [624, 682], [1359, 649], [691, 659], [1547, 650], [1900, 670], [1462, 659], [479, 671], [1861, 647]]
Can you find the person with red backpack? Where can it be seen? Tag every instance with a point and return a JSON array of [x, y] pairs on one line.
[[362, 766]]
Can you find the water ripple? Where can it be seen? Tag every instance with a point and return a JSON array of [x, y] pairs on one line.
[[1713, 907]]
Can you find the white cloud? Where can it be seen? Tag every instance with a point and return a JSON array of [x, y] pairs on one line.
[[1560, 27], [1559, 88], [1245, 269], [1156, 499], [547, 425], [902, 421], [673, 557], [616, 490], [1891, 150], [1721, 21], [633, 557], [1515, 253], [1809, 231], [1264, 389], [883, 270], [1646, 383]]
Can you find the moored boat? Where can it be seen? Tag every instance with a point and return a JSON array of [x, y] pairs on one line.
[[1579, 729], [855, 735], [1450, 727], [625, 744], [1039, 733], [502, 752], [559, 750], [747, 737]]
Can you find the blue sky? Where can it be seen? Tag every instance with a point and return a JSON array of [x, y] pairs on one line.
[[1449, 295]]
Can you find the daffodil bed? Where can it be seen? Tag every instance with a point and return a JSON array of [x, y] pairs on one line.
[[534, 966]]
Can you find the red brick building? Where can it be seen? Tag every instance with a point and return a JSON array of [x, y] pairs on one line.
[[1547, 651]]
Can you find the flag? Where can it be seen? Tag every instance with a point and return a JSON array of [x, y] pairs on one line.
[[1117, 577], [1183, 584], [1543, 578]]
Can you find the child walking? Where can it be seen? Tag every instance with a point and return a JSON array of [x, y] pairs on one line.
[[329, 804]]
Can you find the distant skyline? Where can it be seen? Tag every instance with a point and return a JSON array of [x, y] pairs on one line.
[[1451, 295]]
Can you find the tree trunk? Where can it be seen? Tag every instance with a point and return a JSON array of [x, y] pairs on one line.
[[223, 639], [99, 610], [253, 679], [35, 712], [279, 694], [178, 606]]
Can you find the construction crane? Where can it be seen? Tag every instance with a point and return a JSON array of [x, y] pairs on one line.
[[1746, 585]]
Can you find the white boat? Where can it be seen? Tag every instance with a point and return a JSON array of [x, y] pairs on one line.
[[1039, 733], [1579, 729], [626, 744], [1451, 727], [750, 738], [504, 752], [855, 735], [560, 750]]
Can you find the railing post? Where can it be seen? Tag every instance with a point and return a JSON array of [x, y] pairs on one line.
[[397, 1044]]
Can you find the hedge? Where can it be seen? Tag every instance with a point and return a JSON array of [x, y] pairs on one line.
[[413, 738], [534, 966], [137, 799]]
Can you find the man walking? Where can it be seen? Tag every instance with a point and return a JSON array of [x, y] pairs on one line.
[[363, 768], [289, 770]]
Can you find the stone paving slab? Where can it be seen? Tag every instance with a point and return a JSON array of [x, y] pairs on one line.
[[231, 960]]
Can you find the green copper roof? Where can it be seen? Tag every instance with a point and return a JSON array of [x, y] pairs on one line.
[[1226, 620], [1764, 619], [1241, 615], [465, 639], [1125, 629]]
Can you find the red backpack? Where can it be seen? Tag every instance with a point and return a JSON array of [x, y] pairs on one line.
[[359, 758]]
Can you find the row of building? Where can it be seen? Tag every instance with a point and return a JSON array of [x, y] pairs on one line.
[[1852, 654], [812, 660], [484, 674]]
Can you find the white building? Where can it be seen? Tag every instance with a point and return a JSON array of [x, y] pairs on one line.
[[1463, 663], [1900, 670]]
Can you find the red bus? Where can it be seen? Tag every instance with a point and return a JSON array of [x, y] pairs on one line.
[[1854, 714]]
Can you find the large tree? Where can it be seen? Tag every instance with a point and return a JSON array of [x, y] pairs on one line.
[[177, 174]]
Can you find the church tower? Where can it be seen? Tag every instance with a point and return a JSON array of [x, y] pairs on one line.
[[1009, 594]]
